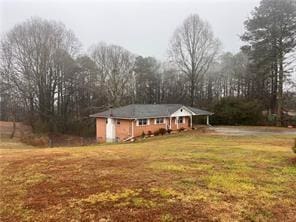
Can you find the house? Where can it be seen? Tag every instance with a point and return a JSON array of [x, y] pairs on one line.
[[126, 122]]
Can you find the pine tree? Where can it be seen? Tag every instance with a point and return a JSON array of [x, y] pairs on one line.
[[271, 35]]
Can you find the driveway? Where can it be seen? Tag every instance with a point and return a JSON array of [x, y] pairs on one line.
[[252, 130]]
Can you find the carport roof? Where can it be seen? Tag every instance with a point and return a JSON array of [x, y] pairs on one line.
[[138, 111]]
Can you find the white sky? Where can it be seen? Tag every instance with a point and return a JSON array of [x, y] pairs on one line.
[[143, 27]]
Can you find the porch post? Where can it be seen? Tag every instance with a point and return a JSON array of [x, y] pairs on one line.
[[170, 122], [208, 120], [191, 124], [177, 118]]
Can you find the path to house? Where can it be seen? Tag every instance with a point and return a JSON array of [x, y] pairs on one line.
[[252, 130]]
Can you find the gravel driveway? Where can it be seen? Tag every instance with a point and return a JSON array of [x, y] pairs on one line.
[[252, 130]]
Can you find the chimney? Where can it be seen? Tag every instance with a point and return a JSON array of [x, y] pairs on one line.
[[111, 114]]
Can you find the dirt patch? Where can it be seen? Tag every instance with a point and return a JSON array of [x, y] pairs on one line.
[[80, 178]]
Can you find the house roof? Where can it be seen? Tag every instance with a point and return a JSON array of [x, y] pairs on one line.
[[138, 111]]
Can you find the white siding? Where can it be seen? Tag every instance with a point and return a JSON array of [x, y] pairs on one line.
[[181, 112]]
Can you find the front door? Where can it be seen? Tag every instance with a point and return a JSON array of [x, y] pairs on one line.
[[110, 130]]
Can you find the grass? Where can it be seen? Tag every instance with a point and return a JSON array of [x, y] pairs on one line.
[[183, 177]]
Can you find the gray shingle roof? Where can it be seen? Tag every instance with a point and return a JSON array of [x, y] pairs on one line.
[[199, 112], [138, 111]]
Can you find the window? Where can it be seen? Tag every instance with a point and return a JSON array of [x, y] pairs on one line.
[[159, 120], [142, 122], [118, 122], [180, 119]]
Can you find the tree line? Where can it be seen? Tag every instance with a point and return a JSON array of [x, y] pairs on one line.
[[49, 83]]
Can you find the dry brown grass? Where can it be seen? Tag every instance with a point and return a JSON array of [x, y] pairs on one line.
[[183, 177]]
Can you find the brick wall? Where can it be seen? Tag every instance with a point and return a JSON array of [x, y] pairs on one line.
[[123, 129], [151, 127], [101, 129]]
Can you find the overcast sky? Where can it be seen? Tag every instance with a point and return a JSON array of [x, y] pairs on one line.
[[143, 27]]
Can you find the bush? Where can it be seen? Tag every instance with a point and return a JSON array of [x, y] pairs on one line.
[[169, 131], [149, 133], [40, 127], [181, 129], [34, 140], [156, 133], [143, 134], [162, 131], [237, 111], [85, 128]]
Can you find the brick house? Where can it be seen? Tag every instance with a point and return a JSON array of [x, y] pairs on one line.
[[126, 122]]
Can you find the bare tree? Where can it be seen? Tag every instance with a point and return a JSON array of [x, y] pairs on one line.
[[193, 48], [115, 71], [31, 52], [148, 80], [173, 86]]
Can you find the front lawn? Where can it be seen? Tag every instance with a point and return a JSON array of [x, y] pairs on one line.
[[184, 177]]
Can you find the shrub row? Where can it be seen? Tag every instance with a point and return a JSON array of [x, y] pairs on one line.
[[161, 131]]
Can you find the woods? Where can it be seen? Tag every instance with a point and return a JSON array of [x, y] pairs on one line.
[[49, 82], [270, 35]]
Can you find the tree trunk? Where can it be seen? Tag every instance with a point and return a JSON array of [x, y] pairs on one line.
[[13, 128], [280, 92], [192, 91]]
